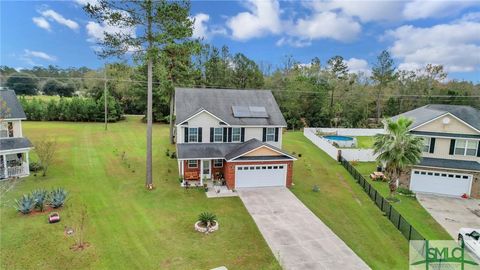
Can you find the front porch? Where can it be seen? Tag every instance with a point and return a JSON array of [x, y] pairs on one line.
[[14, 165], [201, 172]]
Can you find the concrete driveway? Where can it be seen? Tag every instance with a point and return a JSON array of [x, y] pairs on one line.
[[452, 213], [295, 235]]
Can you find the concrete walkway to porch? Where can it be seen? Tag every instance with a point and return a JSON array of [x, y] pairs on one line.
[[298, 238]]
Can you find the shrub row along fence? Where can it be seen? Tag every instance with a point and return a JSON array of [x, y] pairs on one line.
[[393, 215]]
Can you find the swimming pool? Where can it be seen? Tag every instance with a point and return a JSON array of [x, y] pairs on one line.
[[341, 141]]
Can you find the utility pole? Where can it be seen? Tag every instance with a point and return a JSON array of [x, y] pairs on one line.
[[105, 94]]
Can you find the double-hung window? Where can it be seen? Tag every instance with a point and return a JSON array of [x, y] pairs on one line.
[[192, 134], [270, 136], [466, 147], [426, 144], [218, 163], [218, 134], [236, 134], [192, 164]]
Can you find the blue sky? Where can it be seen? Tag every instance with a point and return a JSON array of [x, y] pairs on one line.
[[416, 32]]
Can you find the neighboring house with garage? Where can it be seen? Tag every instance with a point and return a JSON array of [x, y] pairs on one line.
[[232, 136], [451, 154], [14, 147]]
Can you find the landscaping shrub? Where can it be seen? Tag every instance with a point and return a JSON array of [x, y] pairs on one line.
[[58, 197], [25, 204], [316, 188], [74, 109], [40, 197], [35, 166], [405, 191], [207, 218]]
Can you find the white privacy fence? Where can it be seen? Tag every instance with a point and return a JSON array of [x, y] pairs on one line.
[[362, 155], [351, 131]]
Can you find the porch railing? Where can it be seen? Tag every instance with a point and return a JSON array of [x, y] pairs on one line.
[[17, 170]]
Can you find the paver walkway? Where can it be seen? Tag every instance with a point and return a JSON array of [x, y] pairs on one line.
[[298, 238]]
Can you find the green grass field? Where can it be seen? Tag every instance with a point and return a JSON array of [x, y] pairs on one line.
[[408, 207], [365, 142], [127, 226]]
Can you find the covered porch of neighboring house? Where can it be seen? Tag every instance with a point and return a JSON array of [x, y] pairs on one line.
[[201, 172], [14, 165]]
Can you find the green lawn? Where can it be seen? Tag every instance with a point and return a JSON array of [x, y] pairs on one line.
[[408, 207], [365, 142], [344, 206], [127, 227]]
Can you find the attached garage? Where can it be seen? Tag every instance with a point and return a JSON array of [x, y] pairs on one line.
[[444, 183], [265, 175]]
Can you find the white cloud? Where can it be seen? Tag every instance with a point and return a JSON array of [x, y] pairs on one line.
[[456, 46], [201, 28], [42, 23], [53, 15], [28, 56], [96, 33], [364, 10], [421, 9], [294, 42], [327, 25], [356, 65], [262, 18]]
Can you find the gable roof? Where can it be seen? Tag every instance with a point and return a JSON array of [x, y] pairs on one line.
[[219, 102], [14, 109], [421, 115], [251, 145]]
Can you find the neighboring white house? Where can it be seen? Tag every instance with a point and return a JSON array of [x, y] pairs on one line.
[[14, 147], [231, 135], [451, 154]]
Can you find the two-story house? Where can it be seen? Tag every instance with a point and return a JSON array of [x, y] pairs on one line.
[[451, 154], [14, 147], [233, 135]]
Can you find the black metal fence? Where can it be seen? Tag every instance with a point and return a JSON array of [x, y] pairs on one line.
[[400, 222]]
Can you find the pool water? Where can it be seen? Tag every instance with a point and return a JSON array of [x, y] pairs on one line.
[[338, 138]]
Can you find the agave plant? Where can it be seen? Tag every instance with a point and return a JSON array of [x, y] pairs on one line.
[[40, 198], [58, 197], [25, 204], [207, 218]]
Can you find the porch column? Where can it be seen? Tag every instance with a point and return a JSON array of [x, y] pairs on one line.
[[201, 173], [5, 171], [27, 167]]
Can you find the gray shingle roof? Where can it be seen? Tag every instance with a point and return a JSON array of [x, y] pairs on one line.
[[440, 134], [14, 143], [222, 150], [219, 102], [426, 113], [450, 163], [14, 109]]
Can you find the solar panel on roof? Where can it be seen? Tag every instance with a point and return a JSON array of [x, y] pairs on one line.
[[249, 111]]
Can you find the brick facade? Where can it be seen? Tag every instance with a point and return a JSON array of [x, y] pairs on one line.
[[229, 168], [404, 180], [196, 170]]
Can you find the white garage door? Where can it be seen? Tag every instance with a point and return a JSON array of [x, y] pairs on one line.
[[260, 175], [445, 183]]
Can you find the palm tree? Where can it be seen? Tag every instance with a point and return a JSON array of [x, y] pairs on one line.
[[397, 149]]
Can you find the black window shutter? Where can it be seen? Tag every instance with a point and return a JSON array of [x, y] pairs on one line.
[[264, 135], [186, 135], [229, 134], [225, 134], [242, 139], [432, 145], [199, 134], [211, 134], [276, 134], [478, 150], [452, 147]]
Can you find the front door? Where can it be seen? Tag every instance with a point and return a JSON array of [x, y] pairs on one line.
[[207, 171]]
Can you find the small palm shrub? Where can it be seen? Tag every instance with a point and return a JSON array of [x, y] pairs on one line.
[[40, 197], [207, 218], [26, 204], [58, 197]]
